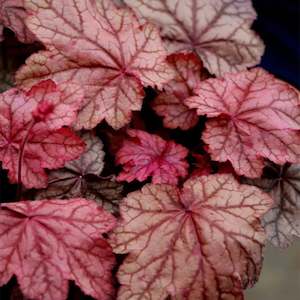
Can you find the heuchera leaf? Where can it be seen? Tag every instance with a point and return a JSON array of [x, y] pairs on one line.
[[253, 115], [282, 222], [75, 180], [144, 155], [12, 15], [47, 243], [218, 30], [169, 104], [32, 122], [101, 47], [202, 242]]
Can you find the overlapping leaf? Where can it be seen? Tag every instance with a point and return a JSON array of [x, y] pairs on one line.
[[80, 178], [31, 126], [253, 115], [282, 222], [101, 47], [201, 242], [170, 104], [12, 15], [144, 155], [47, 243], [218, 30]]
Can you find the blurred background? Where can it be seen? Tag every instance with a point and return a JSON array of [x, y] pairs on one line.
[[278, 24], [280, 278]]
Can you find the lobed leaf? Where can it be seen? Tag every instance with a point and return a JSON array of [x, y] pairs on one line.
[[170, 103], [219, 31], [252, 116], [33, 121], [202, 242], [101, 47], [145, 155], [282, 222], [47, 243], [75, 180]]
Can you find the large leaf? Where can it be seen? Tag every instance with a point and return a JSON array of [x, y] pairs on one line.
[[218, 30], [282, 222], [12, 15], [144, 155], [31, 127], [170, 104], [202, 242], [253, 115], [76, 178], [47, 243], [101, 47]]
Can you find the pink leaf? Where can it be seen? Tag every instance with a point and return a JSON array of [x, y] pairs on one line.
[[145, 155], [12, 15], [219, 31], [47, 243], [170, 104], [101, 47], [202, 242], [31, 122], [254, 115], [282, 222]]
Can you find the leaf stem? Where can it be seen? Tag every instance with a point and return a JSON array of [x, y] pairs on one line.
[[21, 156]]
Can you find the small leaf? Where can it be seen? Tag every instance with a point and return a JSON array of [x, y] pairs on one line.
[[31, 122], [47, 243], [253, 116], [75, 180], [12, 15], [282, 222], [219, 31], [202, 242], [101, 47], [145, 155], [170, 104]]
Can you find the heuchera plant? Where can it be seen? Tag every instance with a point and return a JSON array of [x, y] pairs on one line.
[[158, 102]]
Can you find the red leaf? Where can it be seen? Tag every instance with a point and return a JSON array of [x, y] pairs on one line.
[[101, 47], [25, 125], [57, 105], [47, 243], [282, 222], [254, 115], [202, 242], [219, 31], [170, 104], [145, 155], [12, 15]]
